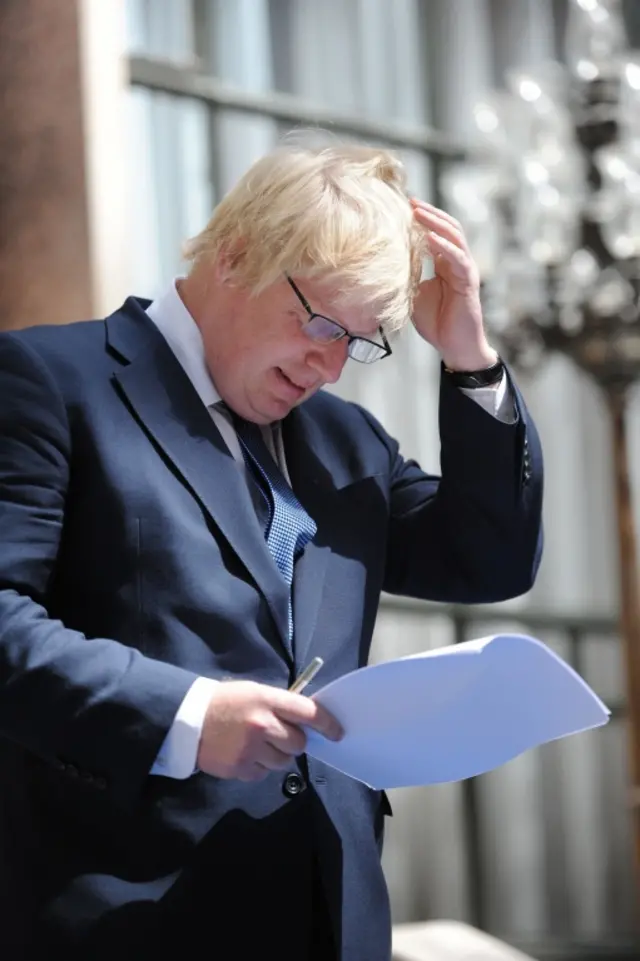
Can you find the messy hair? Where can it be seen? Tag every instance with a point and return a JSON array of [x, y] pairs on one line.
[[336, 211]]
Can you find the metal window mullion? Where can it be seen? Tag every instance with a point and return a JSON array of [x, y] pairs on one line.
[[201, 14], [215, 175], [182, 80]]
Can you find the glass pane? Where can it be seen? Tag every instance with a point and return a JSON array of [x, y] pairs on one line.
[[239, 53], [324, 53], [171, 197], [163, 30], [239, 43], [365, 352], [358, 56], [239, 140], [391, 45], [323, 329]]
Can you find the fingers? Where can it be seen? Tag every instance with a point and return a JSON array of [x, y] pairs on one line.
[[272, 758], [453, 263], [430, 210], [424, 205], [305, 711], [438, 222], [251, 729], [286, 737], [457, 261], [276, 753]]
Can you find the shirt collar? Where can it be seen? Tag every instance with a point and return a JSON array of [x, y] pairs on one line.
[[183, 336]]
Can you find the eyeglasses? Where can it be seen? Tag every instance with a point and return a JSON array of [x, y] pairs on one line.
[[323, 330]]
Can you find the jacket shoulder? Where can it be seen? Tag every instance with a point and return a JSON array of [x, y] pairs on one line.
[[50, 340]]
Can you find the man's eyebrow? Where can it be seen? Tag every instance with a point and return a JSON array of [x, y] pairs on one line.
[[335, 314]]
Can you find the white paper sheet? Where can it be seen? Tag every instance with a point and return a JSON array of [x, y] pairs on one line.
[[453, 712]]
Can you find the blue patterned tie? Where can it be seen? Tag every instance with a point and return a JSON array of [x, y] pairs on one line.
[[289, 528]]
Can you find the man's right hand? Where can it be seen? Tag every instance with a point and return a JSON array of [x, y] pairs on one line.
[[251, 729]]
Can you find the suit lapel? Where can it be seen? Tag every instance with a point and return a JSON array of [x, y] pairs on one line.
[[163, 400], [309, 481], [324, 465]]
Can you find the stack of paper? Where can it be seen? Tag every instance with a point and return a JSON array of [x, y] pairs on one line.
[[453, 712]]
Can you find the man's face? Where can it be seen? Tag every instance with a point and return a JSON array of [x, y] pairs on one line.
[[260, 358]]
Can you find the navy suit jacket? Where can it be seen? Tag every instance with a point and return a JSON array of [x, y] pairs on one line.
[[131, 561]]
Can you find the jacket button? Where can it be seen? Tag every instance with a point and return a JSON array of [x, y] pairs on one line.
[[293, 785], [72, 770]]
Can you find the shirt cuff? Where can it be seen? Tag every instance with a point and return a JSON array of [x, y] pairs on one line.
[[497, 400], [179, 752]]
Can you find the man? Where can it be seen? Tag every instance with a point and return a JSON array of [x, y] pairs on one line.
[[187, 520]]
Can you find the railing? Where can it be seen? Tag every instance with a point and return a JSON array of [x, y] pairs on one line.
[[470, 621]]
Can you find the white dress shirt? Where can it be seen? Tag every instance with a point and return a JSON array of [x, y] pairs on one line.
[[178, 754]]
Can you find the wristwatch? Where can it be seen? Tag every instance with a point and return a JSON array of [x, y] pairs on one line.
[[476, 378]]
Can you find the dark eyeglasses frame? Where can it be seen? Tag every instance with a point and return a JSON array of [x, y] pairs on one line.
[[352, 338]]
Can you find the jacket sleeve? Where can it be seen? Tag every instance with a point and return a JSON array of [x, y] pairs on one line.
[[93, 707], [473, 535]]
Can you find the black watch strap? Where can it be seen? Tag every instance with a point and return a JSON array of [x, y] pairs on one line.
[[476, 378]]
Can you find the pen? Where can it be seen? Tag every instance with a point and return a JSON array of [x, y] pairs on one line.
[[307, 675]]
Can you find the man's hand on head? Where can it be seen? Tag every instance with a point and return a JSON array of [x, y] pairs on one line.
[[447, 309]]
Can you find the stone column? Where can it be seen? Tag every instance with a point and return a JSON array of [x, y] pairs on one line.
[[44, 257]]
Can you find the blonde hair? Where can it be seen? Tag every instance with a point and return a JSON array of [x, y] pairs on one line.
[[338, 212]]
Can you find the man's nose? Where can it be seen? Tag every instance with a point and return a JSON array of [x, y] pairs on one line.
[[328, 360]]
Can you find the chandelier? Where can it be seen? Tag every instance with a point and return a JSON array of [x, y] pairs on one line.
[[550, 203]]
